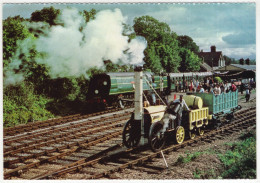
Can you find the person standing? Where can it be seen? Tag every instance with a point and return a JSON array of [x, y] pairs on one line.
[[217, 90], [191, 85], [180, 84], [222, 87], [197, 85], [233, 87], [183, 105], [184, 86], [247, 94], [242, 87], [176, 85], [201, 89]]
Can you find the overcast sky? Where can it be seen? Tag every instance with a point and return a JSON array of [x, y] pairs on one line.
[[231, 27]]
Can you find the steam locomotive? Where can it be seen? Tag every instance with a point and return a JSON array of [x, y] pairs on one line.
[[117, 89]]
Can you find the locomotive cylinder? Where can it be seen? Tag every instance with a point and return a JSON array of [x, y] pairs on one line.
[[193, 102]]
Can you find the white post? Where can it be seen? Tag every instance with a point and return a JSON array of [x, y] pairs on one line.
[[139, 100]]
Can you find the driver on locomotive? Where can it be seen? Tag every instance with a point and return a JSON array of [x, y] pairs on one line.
[[176, 107]]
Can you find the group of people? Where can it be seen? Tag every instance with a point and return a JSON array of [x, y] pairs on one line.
[[204, 87], [208, 86]]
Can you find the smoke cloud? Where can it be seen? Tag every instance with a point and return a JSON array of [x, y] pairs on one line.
[[75, 47]]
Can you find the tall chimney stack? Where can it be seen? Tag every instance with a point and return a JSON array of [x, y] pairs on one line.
[[213, 48], [138, 114]]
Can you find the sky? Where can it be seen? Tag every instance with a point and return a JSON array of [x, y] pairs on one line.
[[231, 27]]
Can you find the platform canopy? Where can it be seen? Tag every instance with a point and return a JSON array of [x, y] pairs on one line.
[[236, 74], [237, 67]]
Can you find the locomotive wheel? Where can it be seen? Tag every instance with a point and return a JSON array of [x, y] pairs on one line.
[[201, 131], [192, 134], [229, 117], [131, 134], [179, 135], [156, 138]]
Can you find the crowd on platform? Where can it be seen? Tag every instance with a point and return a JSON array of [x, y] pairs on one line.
[[210, 86], [206, 86]]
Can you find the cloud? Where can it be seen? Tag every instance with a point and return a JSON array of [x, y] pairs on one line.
[[242, 38], [231, 25]]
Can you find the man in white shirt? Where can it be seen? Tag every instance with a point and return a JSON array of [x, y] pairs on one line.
[[182, 104], [217, 90]]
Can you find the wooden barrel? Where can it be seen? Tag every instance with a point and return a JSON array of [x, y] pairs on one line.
[[193, 102]]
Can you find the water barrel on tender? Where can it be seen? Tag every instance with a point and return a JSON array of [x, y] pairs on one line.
[[193, 102]]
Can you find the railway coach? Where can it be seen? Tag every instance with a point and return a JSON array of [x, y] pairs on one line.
[[185, 76]]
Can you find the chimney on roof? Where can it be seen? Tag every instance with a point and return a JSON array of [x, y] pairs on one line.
[[201, 50], [213, 48]]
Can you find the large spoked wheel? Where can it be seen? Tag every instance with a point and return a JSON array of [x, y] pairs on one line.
[[131, 134], [156, 137], [179, 135]]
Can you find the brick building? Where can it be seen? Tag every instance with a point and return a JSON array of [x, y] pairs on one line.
[[214, 58]]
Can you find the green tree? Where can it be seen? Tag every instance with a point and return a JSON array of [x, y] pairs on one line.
[[190, 61], [21, 105], [13, 30], [227, 59], [89, 15], [45, 15], [241, 61], [247, 61], [188, 53], [188, 43], [162, 52]]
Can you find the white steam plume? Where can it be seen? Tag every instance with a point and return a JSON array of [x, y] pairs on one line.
[[75, 47]]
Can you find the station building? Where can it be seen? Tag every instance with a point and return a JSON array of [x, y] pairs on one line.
[[212, 60]]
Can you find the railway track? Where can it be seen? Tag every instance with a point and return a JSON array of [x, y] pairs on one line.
[[31, 150], [102, 156], [25, 128]]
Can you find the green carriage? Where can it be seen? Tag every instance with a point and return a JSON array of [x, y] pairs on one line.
[[220, 106]]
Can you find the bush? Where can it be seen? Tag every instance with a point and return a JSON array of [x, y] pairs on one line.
[[240, 161], [189, 157], [21, 105]]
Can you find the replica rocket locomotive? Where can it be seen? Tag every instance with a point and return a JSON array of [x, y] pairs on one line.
[[161, 122]]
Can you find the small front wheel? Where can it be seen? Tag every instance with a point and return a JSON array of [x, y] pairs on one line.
[[179, 135], [201, 131], [156, 137], [192, 134]]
